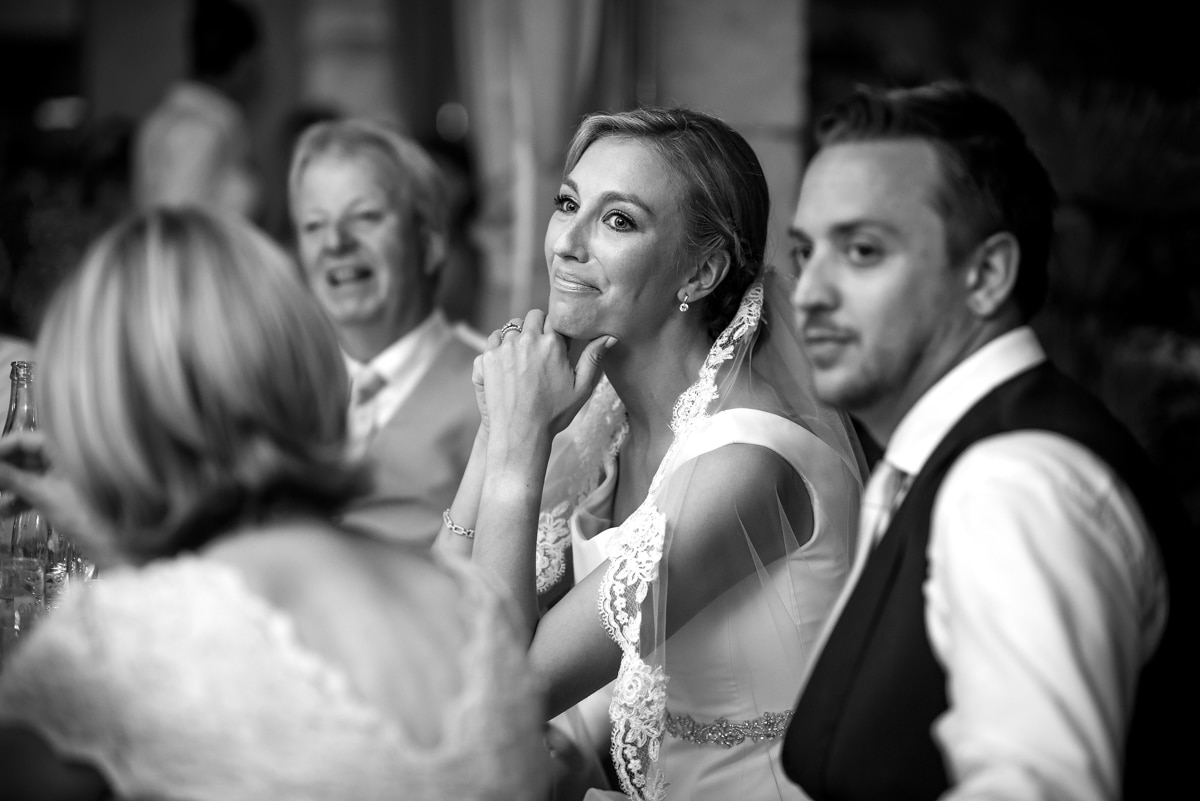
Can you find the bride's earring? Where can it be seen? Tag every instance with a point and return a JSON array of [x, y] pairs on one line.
[[683, 306]]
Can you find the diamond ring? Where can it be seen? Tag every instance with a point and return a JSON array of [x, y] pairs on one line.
[[509, 326]]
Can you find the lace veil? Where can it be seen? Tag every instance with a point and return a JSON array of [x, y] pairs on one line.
[[757, 356]]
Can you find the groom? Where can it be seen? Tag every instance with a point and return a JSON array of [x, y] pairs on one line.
[[1006, 632]]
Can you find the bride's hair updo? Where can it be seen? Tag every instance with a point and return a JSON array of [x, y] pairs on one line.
[[725, 202]]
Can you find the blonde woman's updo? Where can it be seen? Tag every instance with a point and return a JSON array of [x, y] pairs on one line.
[[190, 383]]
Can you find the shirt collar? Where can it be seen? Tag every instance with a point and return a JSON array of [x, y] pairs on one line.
[[944, 404], [393, 360]]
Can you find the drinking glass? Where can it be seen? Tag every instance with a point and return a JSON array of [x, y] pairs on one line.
[[22, 600]]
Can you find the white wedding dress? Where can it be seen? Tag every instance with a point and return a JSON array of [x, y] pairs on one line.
[[737, 664], [701, 714]]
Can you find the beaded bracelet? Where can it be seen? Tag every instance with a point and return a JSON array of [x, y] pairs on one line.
[[469, 533]]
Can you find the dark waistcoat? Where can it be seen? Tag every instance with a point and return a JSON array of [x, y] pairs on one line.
[[863, 725]]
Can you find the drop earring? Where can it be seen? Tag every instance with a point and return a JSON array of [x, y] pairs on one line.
[[683, 306]]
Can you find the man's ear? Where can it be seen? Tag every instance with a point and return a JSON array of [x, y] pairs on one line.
[[992, 274], [435, 252], [706, 276]]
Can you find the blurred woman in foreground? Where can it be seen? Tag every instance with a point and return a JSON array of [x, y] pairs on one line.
[[194, 402]]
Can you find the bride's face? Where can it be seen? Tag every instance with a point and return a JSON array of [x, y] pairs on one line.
[[614, 243]]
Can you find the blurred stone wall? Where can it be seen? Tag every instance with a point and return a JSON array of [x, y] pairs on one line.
[[747, 63]]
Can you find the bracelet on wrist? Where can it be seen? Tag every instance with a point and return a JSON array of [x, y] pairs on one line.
[[469, 533]]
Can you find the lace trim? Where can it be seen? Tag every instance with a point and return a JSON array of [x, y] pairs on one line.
[[728, 733], [639, 705], [692, 406], [605, 413]]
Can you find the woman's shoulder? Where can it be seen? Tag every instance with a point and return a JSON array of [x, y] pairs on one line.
[[301, 566], [736, 463], [379, 610], [756, 426], [313, 547]]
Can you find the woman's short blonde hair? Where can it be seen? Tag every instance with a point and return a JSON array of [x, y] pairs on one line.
[[191, 383]]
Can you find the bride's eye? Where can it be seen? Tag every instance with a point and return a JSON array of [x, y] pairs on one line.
[[619, 221], [566, 204]]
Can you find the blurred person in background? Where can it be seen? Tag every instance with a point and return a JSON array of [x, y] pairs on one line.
[[194, 148], [369, 210], [239, 645]]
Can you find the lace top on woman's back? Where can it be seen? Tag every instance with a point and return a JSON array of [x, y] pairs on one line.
[[176, 680]]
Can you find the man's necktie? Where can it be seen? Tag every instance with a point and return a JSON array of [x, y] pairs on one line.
[[364, 388], [882, 496], [885, 490]]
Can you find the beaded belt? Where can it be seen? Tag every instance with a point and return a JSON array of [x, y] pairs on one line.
[[728, 733]]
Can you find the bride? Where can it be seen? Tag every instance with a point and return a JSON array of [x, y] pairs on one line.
[[675, 549]]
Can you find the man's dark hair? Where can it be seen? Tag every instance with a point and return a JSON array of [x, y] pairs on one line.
[[991, 181], [220, 34]]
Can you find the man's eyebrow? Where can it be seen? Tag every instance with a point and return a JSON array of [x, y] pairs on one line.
[[844, 229]]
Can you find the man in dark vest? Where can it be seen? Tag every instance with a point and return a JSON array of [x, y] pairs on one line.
[[1008, 630]]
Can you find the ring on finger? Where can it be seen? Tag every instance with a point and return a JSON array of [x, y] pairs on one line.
[[509, 326]]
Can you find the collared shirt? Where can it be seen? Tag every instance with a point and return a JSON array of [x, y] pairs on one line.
[[194, 148], [1045, 595], [402, 365]]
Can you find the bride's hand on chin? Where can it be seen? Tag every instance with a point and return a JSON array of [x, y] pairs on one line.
[[530, 387], [480, 395]]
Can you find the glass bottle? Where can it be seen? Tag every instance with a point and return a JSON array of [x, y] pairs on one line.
[[22, 412], [25, 533], [30, 534]]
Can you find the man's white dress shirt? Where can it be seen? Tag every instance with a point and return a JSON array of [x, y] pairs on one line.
[[417, 431], [1045, 595], [401, 365]]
